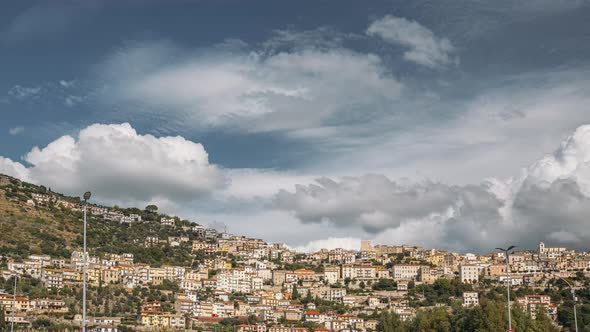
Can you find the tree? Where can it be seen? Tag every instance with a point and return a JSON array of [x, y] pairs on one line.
[[41, 323], [347, 281], [543, 322], [307, 298], [488, 316], [436, 320], [151, 208], [2, 319], [390, 322], [295, 293], [385, 284]]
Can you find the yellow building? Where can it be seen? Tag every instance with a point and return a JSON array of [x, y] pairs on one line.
[[436, 260], [158, 319]]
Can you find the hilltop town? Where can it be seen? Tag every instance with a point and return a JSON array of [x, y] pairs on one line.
[[148, 270]]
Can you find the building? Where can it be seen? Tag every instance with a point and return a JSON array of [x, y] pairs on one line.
[[469, 274], [366, 245], [496, 270], [532, 303], [406, 271], [332, 274], [550, 252], [470, 299], [167, 221]]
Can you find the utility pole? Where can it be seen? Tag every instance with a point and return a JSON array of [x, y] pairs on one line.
[[574, 298], [85, 268], [13, 305], [506, 253]]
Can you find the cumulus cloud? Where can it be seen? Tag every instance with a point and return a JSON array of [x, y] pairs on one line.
[[254, 87], [425, 48], [549, 201], [376, 204], [373, 201], [13, 168], [121, 166]]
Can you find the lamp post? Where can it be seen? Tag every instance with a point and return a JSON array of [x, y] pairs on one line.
[[574, 298], [506, 253], [572, 291], [13, 305], [85, 262]]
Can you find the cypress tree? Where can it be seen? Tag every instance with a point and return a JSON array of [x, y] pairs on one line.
[[2, 319]]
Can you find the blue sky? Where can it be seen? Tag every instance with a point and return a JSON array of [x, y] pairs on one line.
[[315, 123]]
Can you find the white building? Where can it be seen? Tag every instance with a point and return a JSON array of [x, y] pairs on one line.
[[406, 271], [469, 274], [550, 252], [470, 299], [167, 221]]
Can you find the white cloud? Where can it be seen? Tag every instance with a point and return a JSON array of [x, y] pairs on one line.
[[424, 47], [14, 169], [253, 184], [67, 84], [72, 100], [371, 201], [23, 92], [252, 89], [549, 201], [491, 135], [16, 130], [122, 166], [349, 243]]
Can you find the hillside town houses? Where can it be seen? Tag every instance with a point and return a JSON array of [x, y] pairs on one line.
[[271, 279], [270, 290]]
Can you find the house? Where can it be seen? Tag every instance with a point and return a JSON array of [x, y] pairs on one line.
[[531, 303], [167, 221], [315, 316], [132, 218], [406, 271], [470, 299], [469, 274]]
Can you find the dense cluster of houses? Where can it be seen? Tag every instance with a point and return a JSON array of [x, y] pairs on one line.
[[269, 290]]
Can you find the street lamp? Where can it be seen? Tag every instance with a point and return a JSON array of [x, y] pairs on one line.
[[573, 295], [506, 253], [84, 258], [13, 304], [574, 298]]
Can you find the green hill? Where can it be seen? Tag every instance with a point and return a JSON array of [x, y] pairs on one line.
[[53, 229]]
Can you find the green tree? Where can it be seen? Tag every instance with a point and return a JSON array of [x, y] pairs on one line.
[[307, 298], [435, 320], [2, 319], [543, 322], [390, 322], [151, 208], [488, 316], [295, 293], [41, 323]]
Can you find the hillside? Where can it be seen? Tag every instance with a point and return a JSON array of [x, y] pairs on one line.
[[35, 220]]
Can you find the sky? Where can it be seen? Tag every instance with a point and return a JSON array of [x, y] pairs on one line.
[[460, 125]]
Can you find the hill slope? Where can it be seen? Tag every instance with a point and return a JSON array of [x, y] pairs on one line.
[[35, 220]]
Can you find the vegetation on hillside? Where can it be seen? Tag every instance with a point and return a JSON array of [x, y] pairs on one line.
[[54, 230]]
